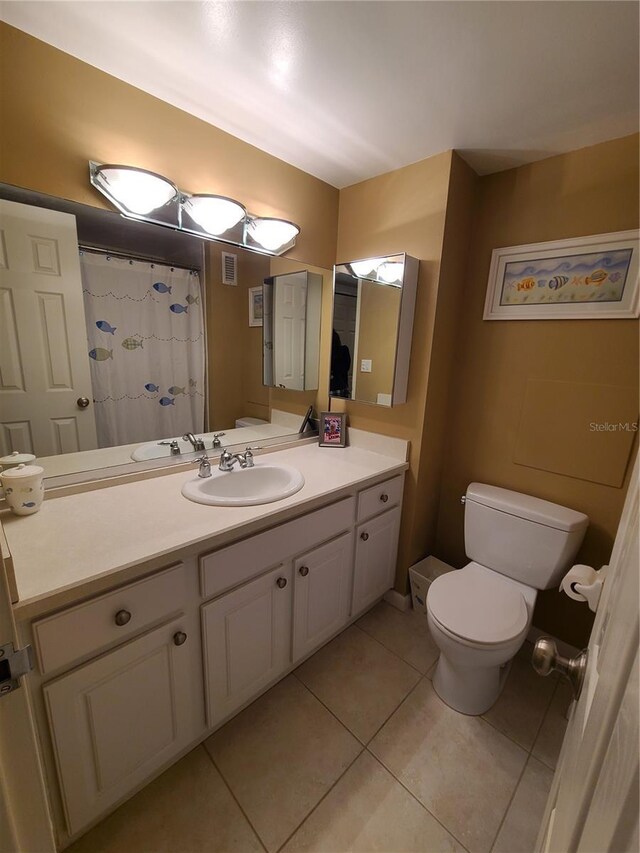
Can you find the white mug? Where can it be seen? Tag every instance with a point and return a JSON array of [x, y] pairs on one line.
[[23, 488]]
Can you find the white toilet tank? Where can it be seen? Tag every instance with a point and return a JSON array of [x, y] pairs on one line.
[[522, 537]]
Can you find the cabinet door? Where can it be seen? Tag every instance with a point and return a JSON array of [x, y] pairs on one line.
[[375, 563], [247, 641], [322, 594], [120, 717]]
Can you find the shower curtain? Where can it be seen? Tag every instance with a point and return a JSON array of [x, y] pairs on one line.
[[145, 333]]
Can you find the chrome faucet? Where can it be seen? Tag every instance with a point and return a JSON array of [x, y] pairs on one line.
[[228, 460], [196, 443], [205, 467]]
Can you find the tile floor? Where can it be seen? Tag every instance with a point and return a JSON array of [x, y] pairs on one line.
[[355, 752]]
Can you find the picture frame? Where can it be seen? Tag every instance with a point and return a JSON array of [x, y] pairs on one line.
[[593, 277], [332, 429], [255, 306]]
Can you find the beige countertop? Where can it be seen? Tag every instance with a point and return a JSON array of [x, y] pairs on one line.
[[83, 543]]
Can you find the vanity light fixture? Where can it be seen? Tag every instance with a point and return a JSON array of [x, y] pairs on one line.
[[391, 272], [133, 191], [215, 214], [147, 196], [364, 268], [379, 269], [272, 234]]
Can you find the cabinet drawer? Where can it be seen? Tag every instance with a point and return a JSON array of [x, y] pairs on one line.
[[80, 631], [377, 498], [231, 566]]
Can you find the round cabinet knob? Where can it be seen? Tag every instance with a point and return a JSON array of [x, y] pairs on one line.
[[304, 571], [122, 617], [546, 659], [281, 583], [179, 638], [384, 498], [364, 536], [82, 402]]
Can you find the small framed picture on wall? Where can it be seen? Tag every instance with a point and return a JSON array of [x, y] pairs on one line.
[[333, 429], [255, 306]]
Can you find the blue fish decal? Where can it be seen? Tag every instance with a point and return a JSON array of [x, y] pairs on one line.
[[161, 287], [614, 276], [29, 504], [151, 388], [106, 327], [178, 309], [166, 401]]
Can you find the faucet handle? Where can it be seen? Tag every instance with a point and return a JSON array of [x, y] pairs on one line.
[[216, 439], [248, 456], [205, 466]]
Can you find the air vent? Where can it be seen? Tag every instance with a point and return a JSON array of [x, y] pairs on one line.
[[229, 268]]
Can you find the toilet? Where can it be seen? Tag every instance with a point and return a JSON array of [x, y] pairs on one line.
[[480, 615]]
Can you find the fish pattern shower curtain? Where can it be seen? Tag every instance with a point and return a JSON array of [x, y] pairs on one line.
[[146, 348]]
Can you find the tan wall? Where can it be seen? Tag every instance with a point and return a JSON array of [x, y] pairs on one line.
[[234, 348], [402, 211], [377, 334], [590, 191], [57, 113]]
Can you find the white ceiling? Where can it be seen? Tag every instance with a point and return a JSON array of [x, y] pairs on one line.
[[348, 90]]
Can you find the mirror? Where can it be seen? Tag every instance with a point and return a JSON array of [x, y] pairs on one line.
[[373, 306], [292, 304], [120, 349]]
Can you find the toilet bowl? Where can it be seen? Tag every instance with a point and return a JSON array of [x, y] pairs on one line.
[[479, 620], [479, 616]]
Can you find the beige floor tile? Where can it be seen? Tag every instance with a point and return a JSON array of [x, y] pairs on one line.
[[280, 756], [359, 680], [459, 767], [521, 707], [368, 810], [187, 809], [406, 634], [520, 829], [551, 734]]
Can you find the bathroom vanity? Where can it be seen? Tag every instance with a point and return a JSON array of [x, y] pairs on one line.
[[153, 619]]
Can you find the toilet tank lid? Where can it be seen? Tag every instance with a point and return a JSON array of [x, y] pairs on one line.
[[528, 507]]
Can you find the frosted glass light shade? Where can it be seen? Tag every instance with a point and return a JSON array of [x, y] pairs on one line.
[[391, 272], [272, 234], [215, 214], [136, 190], [362, 268]]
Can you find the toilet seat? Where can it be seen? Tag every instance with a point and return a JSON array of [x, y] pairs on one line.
[[477, 606]]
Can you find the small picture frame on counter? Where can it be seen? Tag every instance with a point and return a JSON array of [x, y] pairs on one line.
[[333, 429]]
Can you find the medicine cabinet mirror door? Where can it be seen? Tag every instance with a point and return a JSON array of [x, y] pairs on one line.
[[373, 306], [291, 330]]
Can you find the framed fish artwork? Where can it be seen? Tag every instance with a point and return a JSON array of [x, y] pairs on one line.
[[593, 277]]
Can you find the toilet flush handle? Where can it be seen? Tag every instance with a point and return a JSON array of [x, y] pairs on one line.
[[463, 499]]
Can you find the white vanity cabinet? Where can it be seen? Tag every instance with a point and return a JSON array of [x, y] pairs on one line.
[[122, 688], [322, 594], [246, 637], [376, 542], [121, 692]]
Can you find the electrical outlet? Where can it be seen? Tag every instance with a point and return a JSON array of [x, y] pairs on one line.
[[365, 365]]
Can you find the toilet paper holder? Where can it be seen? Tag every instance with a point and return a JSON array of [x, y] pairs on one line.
[[583, 583]]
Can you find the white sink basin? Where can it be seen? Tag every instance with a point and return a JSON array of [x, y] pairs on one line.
[[262, 484]]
